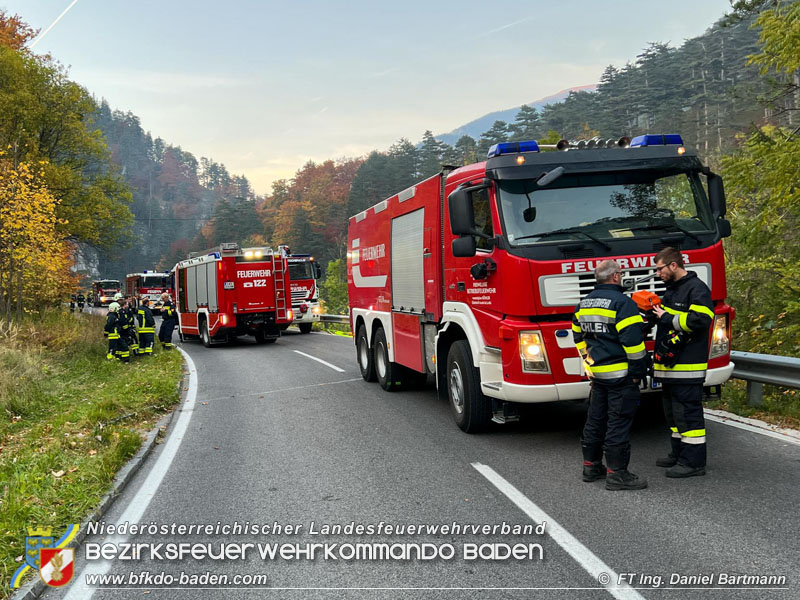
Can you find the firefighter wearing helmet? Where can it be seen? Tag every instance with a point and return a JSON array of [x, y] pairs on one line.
[[117, 346], [168, 322]]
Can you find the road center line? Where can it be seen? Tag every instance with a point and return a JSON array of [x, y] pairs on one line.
[[599, 570], [319, 360], [136, 507]]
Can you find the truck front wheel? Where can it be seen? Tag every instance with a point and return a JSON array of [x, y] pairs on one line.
[[204, 335], [472, 410], [305, 327], [366, 362]]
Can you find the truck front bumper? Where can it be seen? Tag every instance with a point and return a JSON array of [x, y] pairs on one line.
[[529, 394]]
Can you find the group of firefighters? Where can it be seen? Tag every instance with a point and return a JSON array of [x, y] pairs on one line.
[[80, 300], [130, 327]]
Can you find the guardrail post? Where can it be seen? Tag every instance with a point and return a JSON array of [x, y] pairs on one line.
[[755, 393]]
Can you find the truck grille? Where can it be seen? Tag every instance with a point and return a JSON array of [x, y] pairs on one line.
[[568, 290], [299, 295]]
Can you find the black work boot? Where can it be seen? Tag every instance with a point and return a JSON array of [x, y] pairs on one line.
[[624, 480], [593, 471], [679, 471]]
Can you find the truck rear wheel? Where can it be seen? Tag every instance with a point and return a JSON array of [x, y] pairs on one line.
[[388, 373], [204, 335], [472, 410], [366, 360], [305, 327], [260, 336]]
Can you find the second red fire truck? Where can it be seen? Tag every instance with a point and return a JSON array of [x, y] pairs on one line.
[[304, 273], [473, 274], [231, 291], [104, 291], [148, 284]]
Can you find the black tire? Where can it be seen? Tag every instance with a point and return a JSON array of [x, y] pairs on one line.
[[260, 336], [471, 410], [270, 340], [305, 327], [364, 355], [283, 327], [204, 335], [388, 373]]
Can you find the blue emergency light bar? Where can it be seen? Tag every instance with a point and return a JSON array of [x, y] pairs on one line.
[[513, 148], [641, 141]]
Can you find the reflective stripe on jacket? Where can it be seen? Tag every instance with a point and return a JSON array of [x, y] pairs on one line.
[[607, 329]]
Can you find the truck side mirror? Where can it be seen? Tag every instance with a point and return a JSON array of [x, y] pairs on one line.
[[716, 193], [724, 228], [462, 215], [317, 271], [464, 246]]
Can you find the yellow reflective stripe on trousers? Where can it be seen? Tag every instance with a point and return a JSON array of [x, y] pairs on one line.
[[113, 336], [702, 309], [629, 321], [147, 329], [694, 433]]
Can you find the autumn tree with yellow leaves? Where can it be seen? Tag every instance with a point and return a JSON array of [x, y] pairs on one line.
[[34, 258]]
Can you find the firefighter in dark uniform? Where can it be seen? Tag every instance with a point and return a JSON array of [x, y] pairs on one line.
[[81, 301], [681, 360], [72, 300], [607, 329], [168, 322], [117, 346], [130, 319], [147, 328]]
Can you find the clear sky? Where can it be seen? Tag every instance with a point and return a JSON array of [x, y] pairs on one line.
[[264, 86]]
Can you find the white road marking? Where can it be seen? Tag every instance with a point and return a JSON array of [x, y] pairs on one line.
[[319, 360], [733, 421], [599, 570], [135, 509]]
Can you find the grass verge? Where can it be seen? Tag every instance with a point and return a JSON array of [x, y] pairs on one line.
[[70, 421], [781, 406]]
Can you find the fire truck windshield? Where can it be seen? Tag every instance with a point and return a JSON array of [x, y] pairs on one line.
[[153, 281], [604, 206], [300, 270], [108, 284]]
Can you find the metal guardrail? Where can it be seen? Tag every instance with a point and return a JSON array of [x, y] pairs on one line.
[[758, 369], [335, 319]]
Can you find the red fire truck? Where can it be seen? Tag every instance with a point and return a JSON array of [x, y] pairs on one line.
[[473, 274], [304, 272], [148, 284], [104, 290], [230, 291]]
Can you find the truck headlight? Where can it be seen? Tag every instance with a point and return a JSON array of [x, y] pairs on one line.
[[532, 352], [720, 341]]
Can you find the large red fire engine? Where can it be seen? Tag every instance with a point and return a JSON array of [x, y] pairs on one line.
[[104, 291], [230, 291], [304, 273], [473, 274], [148, 284]]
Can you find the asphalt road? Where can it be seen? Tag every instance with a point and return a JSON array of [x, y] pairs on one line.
[[275, 436]]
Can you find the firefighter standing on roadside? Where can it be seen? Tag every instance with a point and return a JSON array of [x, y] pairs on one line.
[[681, 360], [81, 301], [607, 329], [72, 300], [147, 328], [117, 346], [130, 319], [168, 321]]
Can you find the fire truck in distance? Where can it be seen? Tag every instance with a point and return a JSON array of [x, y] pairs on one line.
[[104, 291], [304, 273], [229, 291], [473, 274], [148, 284]]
